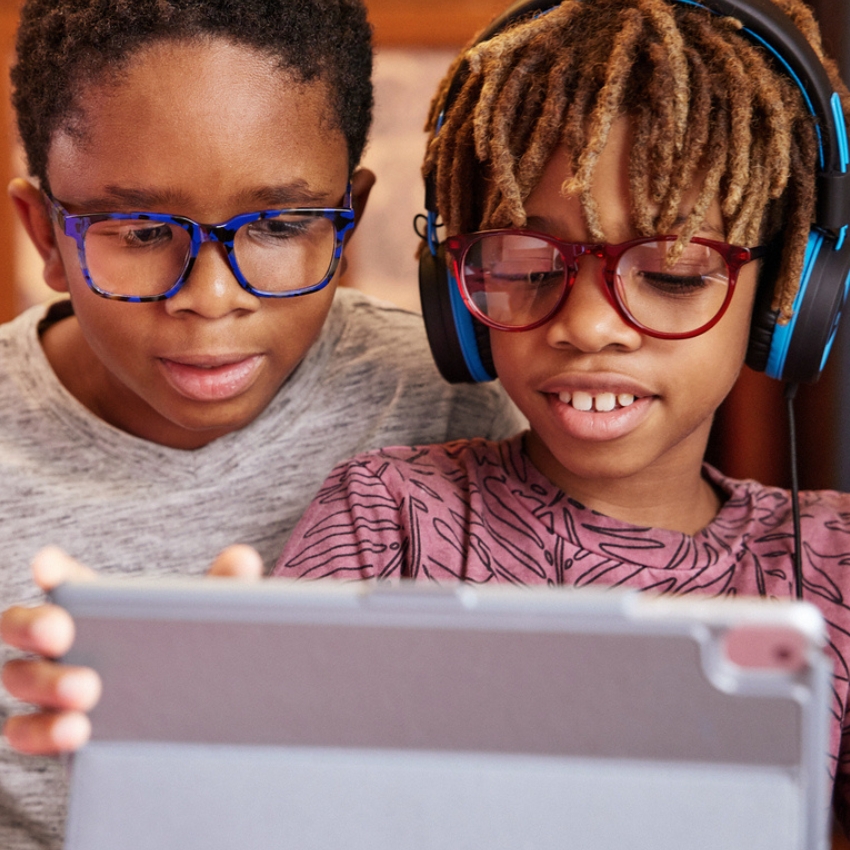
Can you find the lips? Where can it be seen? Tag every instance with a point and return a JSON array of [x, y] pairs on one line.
[[598, 407], [211, 378]]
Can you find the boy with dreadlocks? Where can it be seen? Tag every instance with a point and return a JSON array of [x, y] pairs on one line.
[[193, 361], [609, 174]]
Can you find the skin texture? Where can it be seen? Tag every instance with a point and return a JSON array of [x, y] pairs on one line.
[[206, 362], [641, 463]]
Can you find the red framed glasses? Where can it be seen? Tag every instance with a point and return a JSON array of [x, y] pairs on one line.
[[516, 280]]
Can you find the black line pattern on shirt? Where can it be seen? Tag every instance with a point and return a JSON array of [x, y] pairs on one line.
[[478, 511]]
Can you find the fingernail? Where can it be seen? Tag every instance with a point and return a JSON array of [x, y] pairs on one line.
[[70, 731], [78, 688]]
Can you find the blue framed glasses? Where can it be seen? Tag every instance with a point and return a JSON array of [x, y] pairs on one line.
[[145, 256]]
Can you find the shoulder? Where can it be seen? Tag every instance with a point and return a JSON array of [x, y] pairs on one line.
[[817, 501], [825, 514], [380, 513], [467, 454], [24, 327], [379, 353], [24, 369], [357, 317], [456, 464], [371, 341]]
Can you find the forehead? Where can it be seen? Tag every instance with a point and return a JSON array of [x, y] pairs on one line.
[[198, 122], [612, 192]]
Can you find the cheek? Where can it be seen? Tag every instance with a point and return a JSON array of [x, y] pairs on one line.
[[715, 359], [707, 367], [292, 325], [512, 352], [734, 330], [116, 334]]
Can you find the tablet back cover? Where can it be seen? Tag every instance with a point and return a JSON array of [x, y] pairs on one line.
[[330, 716]]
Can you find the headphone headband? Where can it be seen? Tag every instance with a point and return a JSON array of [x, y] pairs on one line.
[[770, 27]]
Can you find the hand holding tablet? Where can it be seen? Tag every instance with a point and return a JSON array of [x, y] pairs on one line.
[[64, 693]]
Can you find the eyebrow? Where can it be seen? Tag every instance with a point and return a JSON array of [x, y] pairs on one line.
[[289, 195]]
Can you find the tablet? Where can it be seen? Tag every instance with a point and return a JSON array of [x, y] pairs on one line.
[[362, 717]]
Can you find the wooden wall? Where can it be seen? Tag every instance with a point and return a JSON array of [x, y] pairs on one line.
[[430, 23]]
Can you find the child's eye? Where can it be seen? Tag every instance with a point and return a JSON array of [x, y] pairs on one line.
[[668, 283], [531, 279], [136, 234], [279, 229], [148, 236], [544, 280]]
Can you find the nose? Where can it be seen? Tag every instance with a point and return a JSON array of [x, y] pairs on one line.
[[588, 320], [211, 290]]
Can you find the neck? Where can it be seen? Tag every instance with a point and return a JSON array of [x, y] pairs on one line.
[[671, 494]]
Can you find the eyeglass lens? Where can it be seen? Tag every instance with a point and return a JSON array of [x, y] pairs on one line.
[[140, 257], [517, 280]]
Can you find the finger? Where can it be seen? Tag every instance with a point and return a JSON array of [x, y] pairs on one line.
[[51, 566], [53, 686], [45, 629], [47, 734], [238, 561]]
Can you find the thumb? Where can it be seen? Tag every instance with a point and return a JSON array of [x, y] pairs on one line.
[[51, 566], [238, 561]]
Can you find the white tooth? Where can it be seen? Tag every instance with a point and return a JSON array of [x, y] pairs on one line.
[[565, 397], [582, 401], [606, 402], [625, 399]]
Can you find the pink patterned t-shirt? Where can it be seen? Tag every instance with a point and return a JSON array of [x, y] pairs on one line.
[[479, 511]]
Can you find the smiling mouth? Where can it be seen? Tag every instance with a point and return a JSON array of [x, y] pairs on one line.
[[600, 402]]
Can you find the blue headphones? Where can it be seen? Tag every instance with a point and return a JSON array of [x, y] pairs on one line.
[[795, 352]]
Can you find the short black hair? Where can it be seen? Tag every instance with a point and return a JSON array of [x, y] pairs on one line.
[[62, 45]]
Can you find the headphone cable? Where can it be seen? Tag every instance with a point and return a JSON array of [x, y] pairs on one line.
[[790, 393]]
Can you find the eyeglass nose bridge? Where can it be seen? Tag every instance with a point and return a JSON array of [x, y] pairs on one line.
[[571, 253], [605, 278], [222, 233], [199, 234]]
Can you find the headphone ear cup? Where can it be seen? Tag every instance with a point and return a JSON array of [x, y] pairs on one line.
[[764, 318], [798, 350], [459, 343], [482, 342]]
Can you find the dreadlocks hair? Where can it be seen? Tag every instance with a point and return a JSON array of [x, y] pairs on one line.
[[704, 104], [64, 46]]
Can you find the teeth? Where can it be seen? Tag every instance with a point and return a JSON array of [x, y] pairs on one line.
[[582, 401], [602, 403], [606, 402]]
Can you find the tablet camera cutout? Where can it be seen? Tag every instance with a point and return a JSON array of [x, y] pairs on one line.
[[776, 648]]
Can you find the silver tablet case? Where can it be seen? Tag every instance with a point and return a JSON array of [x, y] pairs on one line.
[[269, 715]]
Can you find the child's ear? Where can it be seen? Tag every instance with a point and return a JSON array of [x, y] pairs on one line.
[[362, 182], [29, 203]]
